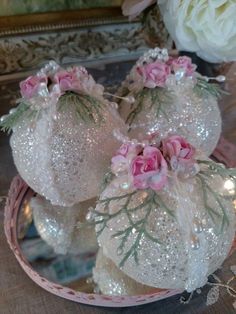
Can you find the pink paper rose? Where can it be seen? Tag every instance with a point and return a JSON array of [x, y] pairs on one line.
[[184, 63], [78, 80], [129, 150], [177, 150], [149, 170], [121, 161], [68, 80], [123, 150], [30, 86], [154, 74]]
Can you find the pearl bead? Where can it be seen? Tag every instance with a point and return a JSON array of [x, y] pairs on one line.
[[52, 63], [119, 251], [195, 243], [90, 216], [13, 110], [55, 116], [179, 74], [3, 118], [220, 78], [206, 78], [134, 142], [125, 185], [164, 51], [197, 225], [129, 99]]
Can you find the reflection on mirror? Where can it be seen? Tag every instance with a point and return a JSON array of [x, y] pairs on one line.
[[55, 244], [59, 247]]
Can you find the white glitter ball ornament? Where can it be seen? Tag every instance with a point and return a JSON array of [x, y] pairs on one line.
[[62, 145], [173, 238], [171, 97], [60, 227], [112, 281]]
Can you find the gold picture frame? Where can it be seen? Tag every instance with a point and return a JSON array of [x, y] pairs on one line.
[[26, 23], [84, 36]]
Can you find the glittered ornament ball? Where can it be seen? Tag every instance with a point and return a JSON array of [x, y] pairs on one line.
[[62, 134], [60, 227], [167, 220], [170, 96]]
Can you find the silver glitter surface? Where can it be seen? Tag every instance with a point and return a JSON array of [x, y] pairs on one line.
[[59, 226], [64, 159], [112, 281], [188, 114], [186, 255]]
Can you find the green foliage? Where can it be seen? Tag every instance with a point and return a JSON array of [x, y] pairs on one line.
[[107, 178], [207, 191], [138, 228], [22, 111], [220, 169], [88, 108], [203, 177], [159, 97], [204, 89]]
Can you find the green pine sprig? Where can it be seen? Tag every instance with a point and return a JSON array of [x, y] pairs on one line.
[[159, 97], [203, 176], [138, 228], [22, 111], [88, 108], [218, 168], [213, 214], [107, 178], [204, 89]]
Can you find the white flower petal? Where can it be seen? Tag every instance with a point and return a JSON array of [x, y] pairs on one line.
[[207, 27]]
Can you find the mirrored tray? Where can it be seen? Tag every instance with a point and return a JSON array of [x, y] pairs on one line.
[[69, 276], [64, 275]]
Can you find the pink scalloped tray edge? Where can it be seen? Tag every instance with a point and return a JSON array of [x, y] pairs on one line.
[[19, 191]]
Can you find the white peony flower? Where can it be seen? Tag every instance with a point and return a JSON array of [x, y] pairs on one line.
[[207, 27]]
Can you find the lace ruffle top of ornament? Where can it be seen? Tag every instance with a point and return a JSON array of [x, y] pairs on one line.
[[150, 166], [56, 88], [156, 75]]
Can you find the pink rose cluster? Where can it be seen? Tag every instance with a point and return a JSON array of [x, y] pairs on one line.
[[182, 63], [156, 73], [30, 87], [69, 80], [147, 167], [75, 79]]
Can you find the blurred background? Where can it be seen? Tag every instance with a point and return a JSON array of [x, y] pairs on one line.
[[15, 7]]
